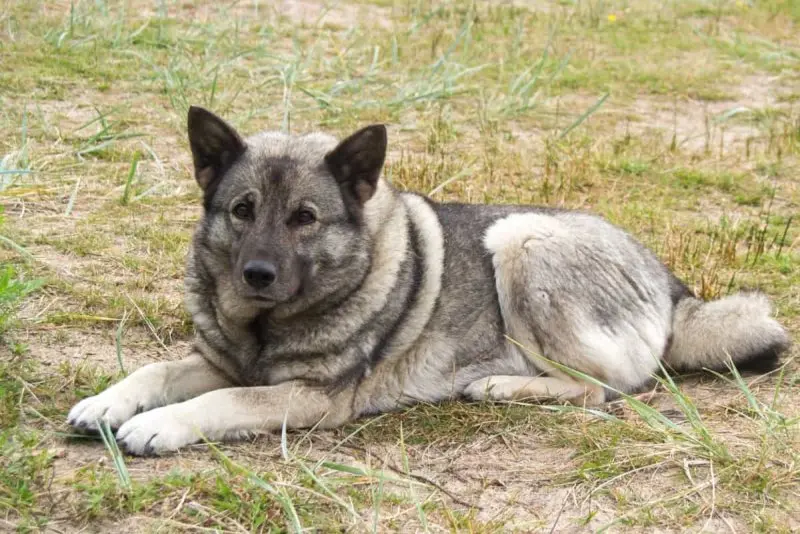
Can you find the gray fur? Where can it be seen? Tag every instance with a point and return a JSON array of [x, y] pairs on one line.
[[385, 299]]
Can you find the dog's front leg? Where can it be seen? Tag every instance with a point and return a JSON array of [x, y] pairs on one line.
[[154, 385], [230, 414]]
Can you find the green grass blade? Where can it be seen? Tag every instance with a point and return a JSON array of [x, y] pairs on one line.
[[118, 342], [13, 245], [585, 115], [129, 181], [116, 455]]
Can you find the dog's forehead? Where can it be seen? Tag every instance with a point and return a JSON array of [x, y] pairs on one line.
[[285, 167], [310, 147]]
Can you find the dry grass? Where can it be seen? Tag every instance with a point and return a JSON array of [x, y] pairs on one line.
[[678, 121]]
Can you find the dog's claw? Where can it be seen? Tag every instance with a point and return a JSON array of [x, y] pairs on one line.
[[157, 431], [148, 447]]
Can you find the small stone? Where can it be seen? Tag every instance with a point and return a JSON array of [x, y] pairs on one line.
[[58, 453]]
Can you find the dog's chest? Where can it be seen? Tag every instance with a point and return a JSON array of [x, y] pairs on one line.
[[291, 352]]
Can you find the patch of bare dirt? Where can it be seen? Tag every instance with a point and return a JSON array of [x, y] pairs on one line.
[[96, 347], [700, 125], [339, 14], [297, 11], [696, 124]]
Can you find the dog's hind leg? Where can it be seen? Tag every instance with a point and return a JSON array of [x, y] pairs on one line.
[[540, 388], [154, 385]]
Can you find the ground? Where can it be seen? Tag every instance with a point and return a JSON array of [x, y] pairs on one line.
[[677, 120]]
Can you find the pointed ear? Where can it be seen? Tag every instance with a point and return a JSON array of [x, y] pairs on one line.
[[357, 162], [215, 146]]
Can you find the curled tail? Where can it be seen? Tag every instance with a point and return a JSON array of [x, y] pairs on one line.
[[739, 327]]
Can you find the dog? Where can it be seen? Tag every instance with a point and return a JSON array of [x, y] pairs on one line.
[[320, 294]]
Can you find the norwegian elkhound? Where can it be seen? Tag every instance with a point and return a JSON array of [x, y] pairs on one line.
[[320, 294]]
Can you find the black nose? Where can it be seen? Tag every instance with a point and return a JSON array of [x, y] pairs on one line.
[[259, 274]]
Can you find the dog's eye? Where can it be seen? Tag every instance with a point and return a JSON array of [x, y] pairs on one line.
[[242, 210], [304, 216]]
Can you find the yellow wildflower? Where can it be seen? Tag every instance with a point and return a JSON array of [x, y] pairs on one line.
[[612, 18]]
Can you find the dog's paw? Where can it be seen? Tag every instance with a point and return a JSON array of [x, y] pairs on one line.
[[158, 431], [116, 405], [479, 390], [112, 406]]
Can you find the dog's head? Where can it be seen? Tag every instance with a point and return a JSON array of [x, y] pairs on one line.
[[284, 214]]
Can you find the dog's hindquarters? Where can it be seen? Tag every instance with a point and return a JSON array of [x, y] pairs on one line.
[[580, 292]]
